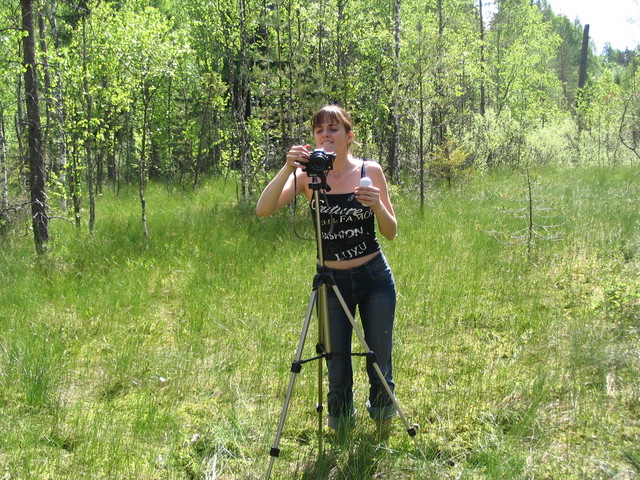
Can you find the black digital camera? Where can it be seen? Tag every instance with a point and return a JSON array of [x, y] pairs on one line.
[[320, 162]]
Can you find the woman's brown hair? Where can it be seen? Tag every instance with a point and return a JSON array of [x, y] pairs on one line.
[[332, 114]]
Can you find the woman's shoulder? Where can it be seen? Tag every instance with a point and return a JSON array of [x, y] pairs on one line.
[[367, 161], [371, 166]]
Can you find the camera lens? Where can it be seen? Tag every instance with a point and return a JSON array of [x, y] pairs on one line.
[[319, 162]]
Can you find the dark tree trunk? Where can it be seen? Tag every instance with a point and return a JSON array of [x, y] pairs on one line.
[[582, 79], [39, 217]]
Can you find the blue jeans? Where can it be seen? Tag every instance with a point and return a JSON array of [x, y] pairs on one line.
[[371, 289]]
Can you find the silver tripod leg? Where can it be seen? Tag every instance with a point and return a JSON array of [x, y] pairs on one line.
[[295, 369], [323, 348], [411, 429]]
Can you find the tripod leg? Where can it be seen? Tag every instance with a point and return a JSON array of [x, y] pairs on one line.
[[320, 408], [323, 348], [295, 369], [323, 319], [410, 428]]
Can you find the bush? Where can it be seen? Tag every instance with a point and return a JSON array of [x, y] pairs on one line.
[[449, 163], [553, 143], [495, 140]]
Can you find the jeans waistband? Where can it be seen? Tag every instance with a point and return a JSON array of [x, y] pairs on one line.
[[377, 262]]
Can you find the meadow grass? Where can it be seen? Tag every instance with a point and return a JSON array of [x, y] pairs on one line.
[[122, 359]]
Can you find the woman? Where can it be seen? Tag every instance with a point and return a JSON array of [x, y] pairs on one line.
[[351, 253]]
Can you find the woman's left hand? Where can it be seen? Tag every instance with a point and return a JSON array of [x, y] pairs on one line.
[[369, 197]]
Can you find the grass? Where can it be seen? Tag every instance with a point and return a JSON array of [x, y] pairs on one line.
[[170, 360]]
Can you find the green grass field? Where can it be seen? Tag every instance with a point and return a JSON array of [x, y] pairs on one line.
[[515, 351]]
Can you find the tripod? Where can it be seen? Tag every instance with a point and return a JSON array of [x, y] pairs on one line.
[[321, 283]]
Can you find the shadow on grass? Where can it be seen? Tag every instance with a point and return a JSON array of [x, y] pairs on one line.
[[347, 455]]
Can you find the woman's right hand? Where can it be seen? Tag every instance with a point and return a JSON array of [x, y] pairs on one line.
[[297, 156], [282, 188]]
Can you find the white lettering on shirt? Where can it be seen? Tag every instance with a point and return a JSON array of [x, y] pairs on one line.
[[354, 252]]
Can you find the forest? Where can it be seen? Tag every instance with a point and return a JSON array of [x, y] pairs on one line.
[[100, 94], [162, 351]]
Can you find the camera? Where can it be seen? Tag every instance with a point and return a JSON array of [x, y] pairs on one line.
[[319, 163]]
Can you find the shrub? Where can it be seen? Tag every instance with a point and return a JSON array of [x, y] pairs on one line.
[[449, 163]]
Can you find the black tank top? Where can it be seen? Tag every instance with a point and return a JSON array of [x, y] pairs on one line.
[[348, 227]]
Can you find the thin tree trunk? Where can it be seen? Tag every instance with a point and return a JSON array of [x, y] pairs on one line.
[[343, 95], [202, 138], [438, 115], [74, 187], [633, 144], [243, 111], [482, 62], [60, 113], [4, 200], [146, 98], [19, 127], [422, 110], [88, 143], [44, 62], [582, 77], [39, 218], [394, 140]]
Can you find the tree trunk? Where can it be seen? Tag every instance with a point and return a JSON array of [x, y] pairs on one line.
[[343, 93], [243, 111], [482, 62], [40, 221], [88, 141], [146, 99], [46, 90], [60, 113], [394, 139], [438, 111], [4, 199], [422, 110], [582, 77]]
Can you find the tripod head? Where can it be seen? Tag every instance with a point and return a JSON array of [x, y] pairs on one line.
[[321, 184]]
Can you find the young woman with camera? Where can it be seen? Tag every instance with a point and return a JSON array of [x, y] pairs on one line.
[[351, 253]]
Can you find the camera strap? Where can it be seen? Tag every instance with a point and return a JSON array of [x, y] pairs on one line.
[[294, 207]]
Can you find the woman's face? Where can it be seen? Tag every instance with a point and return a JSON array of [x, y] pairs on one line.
[[332, 136]]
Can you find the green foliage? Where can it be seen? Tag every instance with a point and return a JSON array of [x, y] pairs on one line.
[[495, 140], [551, 144], [181, 89], [524, 45], [599, 108]]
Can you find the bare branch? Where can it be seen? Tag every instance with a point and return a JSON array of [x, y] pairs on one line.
[[634, 149]]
